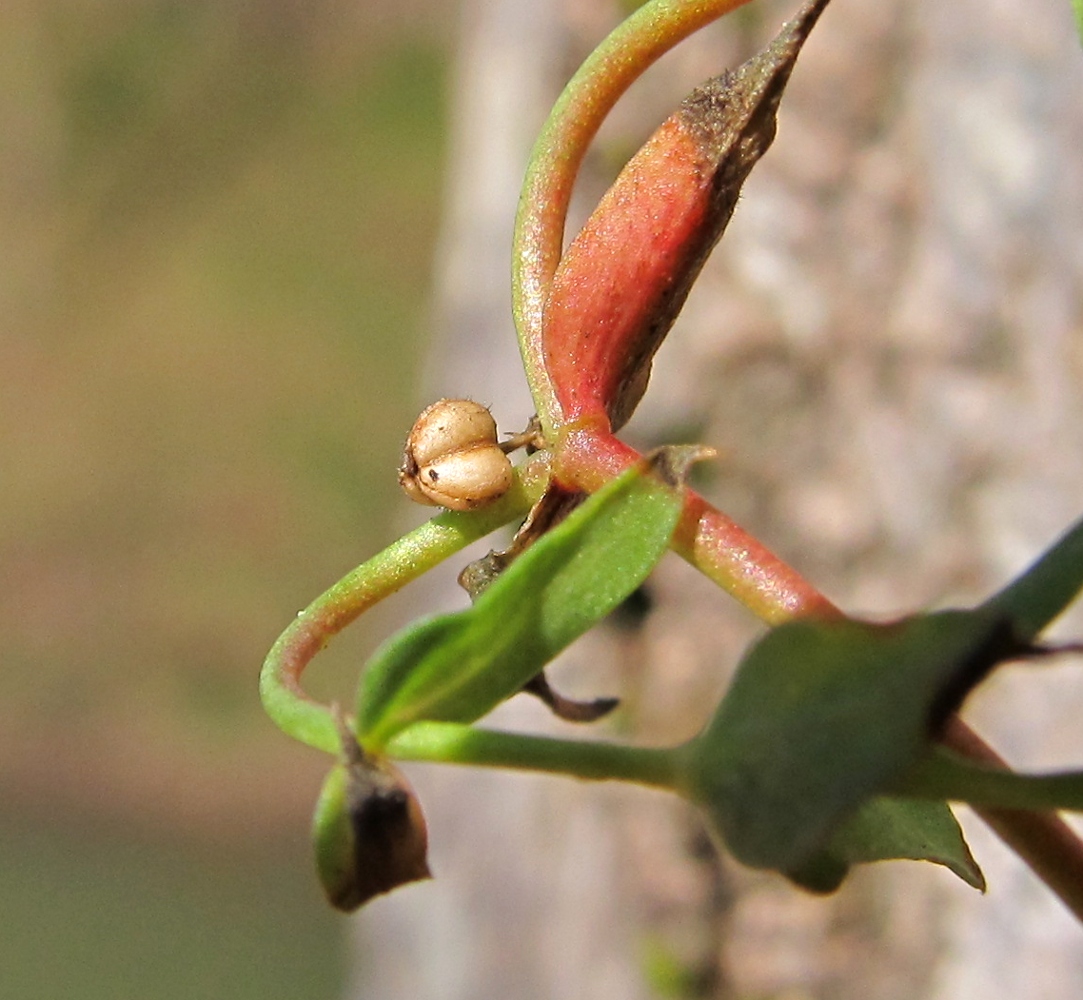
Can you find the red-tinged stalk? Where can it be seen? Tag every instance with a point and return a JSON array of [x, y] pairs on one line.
[[709, 540]]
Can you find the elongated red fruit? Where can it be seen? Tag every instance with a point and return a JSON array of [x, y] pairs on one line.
[[625, 277]]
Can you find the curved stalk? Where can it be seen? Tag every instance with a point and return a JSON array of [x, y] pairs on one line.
[[284, 700]]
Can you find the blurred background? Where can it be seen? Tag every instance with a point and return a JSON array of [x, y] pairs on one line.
[[243, 242], [216, 230]]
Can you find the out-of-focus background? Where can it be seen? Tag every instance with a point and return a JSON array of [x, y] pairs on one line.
[[238, 238], [216, 231]]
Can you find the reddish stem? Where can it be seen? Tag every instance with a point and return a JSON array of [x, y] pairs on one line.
[[587, 456]]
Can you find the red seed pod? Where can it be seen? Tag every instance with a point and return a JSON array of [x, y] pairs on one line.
[[626, 276]]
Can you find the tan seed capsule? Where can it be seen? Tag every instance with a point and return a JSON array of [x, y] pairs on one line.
[[452, 458], [468, 479], [449, 425]]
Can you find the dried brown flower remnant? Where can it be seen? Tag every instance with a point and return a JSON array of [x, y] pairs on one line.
[[369, 831]]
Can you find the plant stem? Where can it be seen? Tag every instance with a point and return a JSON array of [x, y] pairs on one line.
[[718, 547], [415, 553], [543, 205], [451, 743], [946, 776], [1042, 839], [776, 592]]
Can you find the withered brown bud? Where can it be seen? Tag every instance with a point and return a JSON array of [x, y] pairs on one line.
[[368, 831]]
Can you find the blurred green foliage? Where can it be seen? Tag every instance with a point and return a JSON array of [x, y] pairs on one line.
[[93, 918]]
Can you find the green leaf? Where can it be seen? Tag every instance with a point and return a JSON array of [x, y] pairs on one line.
[[821, 717], [1043, 591], [825, 716], [885, 829], [455, 668]]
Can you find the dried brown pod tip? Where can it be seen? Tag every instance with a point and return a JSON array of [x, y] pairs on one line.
[[452, 457], [369, 832]]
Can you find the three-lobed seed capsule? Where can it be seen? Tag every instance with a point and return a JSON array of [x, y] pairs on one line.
[[453, 458]]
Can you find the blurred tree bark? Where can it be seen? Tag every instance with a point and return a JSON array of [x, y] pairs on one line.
[[887, 348]]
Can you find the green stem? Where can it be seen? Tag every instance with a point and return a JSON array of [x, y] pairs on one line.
[[1042, 839], [1077, 6], [776, 592], [451, 743], [415, 553], [1011, 803], [944, 775], [1038, 596], [543, 206]]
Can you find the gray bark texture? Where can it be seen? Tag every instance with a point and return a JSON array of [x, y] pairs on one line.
[[887, 350]]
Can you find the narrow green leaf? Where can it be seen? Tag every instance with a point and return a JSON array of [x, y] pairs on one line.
[[455, 668], [1042, 592], [821, 717]]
